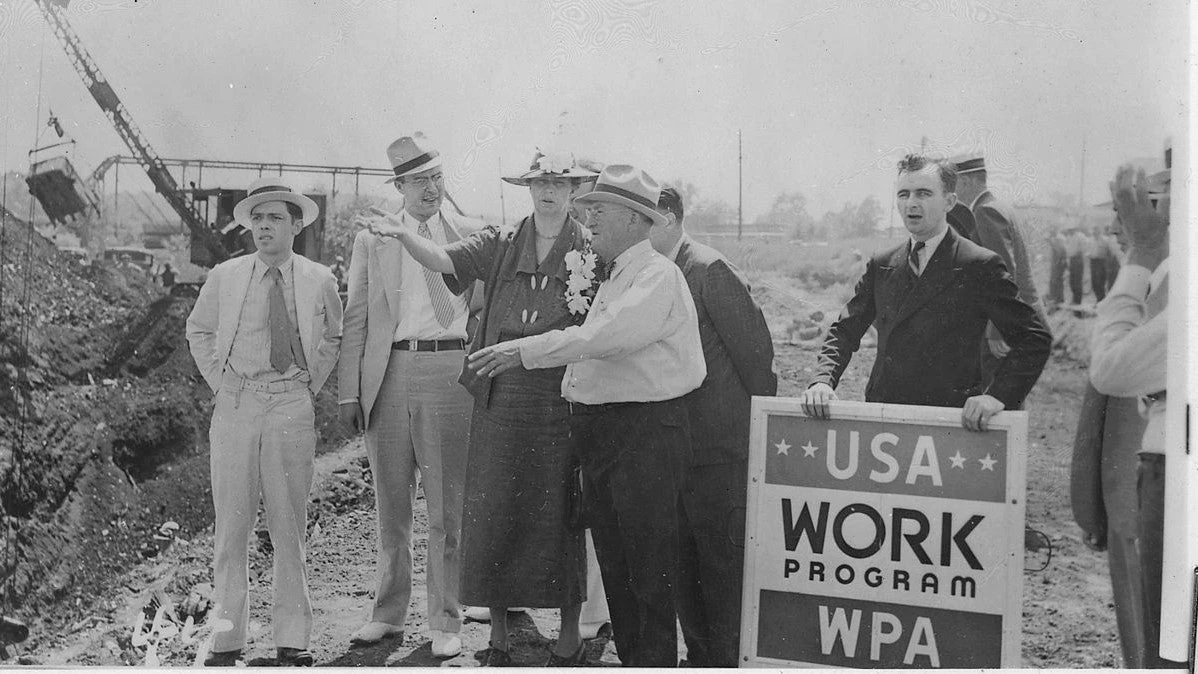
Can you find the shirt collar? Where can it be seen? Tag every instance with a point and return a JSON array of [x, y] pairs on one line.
[[672, 256], [634, 252], [931, 244], [260, 266], [409, 219], [977, 199]]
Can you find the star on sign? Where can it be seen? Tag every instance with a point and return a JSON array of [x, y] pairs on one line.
[[809, 449], [987, 462], [958, 460], [783, 447]]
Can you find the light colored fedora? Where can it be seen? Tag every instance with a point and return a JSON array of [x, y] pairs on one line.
[[411, 154], [557, 165], [628, 186], [273, 188]]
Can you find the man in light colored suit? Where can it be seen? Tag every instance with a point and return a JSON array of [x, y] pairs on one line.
[[264, 333], [405, 340], [739, 354]]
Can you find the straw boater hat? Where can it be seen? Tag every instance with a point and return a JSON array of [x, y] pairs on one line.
[[622, 184], [557, 165], [273, 188], [411, 154]]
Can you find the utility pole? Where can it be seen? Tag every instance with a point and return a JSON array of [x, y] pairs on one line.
[[1081, 188], [740, 187], [502, 207]]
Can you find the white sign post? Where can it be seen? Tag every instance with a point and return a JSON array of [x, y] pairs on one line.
[[888, 536]]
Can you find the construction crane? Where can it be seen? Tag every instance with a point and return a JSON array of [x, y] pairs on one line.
[[106, 97]]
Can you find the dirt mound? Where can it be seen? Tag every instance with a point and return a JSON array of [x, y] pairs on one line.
[[103, 426]]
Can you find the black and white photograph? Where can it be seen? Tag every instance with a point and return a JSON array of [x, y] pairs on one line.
[[577, 333]]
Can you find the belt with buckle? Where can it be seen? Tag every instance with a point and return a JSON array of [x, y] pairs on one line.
[[235, 383], [429, 345]]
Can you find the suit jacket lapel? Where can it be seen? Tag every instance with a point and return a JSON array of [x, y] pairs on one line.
[[231, 310], [306, 292], [388, 267], [936, 275]]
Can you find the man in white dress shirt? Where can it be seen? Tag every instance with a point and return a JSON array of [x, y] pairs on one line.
[[1128, 359], [627, 366], [405, 337]]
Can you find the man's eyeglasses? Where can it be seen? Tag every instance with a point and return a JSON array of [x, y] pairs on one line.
[[424, 181]]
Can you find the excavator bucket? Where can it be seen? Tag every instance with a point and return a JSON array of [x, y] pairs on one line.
[[61, 191]]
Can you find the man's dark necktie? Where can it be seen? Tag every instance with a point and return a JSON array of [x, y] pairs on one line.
[[280, 324], [913, 256]]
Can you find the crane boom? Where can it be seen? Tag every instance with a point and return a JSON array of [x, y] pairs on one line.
[[106, 97]]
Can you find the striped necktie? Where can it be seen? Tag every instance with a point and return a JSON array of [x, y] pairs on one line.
[[437, 291]]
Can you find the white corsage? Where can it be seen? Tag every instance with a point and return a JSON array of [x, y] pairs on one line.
[[558, 162], [580, 283]]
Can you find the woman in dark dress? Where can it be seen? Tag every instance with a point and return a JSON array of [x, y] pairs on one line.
[[517, 546]]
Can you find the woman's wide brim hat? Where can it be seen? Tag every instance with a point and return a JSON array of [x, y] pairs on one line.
[[561, 165], [628, 186], [273, 188]]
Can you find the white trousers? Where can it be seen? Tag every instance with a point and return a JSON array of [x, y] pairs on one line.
[[262, 447]]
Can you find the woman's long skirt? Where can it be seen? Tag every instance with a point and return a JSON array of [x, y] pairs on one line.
[[516, 547]]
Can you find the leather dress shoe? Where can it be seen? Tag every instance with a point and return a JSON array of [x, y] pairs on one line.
[[223, 658], [373, 632], [495, 657], [294, 657], [577, 659], [594, 630]]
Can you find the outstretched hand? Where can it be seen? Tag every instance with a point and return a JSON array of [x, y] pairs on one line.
[[384, 223], [495, 360]]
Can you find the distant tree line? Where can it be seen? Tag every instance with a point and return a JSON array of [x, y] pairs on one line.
[[788, 214]]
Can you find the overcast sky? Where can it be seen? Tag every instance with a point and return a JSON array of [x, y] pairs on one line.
[[828, 94]]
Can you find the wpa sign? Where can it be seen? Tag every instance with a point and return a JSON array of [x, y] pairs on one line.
[[888, 536]]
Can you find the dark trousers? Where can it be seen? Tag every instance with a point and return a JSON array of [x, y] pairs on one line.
[[632, 458], [711, 524], [1128, 588], [1056, 278], [1077, 273], [1150, 487], [1098, 277]]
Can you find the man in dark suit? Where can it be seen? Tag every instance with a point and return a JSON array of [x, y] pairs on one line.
[[930, 299], [997, 229], [961, 219], [739, 353]]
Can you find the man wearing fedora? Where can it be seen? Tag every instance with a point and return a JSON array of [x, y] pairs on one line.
[[627, 367], [405, 338], [997, 229], [264, 333]]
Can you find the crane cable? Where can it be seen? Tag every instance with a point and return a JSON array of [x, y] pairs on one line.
[[12, 629]]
